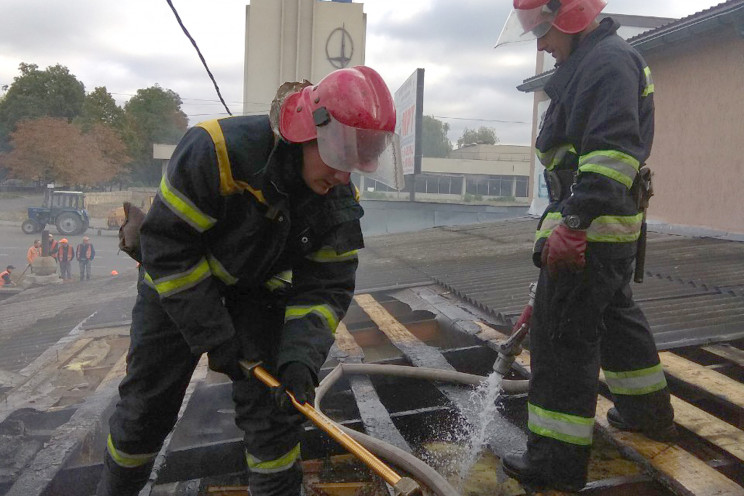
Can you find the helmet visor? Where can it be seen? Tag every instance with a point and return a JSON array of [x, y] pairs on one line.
[[371, 152], [526, 25]]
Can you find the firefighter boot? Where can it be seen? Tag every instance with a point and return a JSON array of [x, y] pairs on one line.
[[283, 483], [119, 481], [520, 467], [666, 434]]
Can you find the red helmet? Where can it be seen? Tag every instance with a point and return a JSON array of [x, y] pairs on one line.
[[533, 18], [355, 96], [352, 115]]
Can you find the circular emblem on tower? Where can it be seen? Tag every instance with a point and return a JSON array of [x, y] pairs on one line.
[[339, 48]]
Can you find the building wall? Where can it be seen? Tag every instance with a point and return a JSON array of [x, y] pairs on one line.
[[286, 40], [696, 156]]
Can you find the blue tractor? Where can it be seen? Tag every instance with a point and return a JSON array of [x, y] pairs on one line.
[[64, 209]]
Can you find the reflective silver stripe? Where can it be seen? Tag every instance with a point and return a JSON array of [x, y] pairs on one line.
[[220, 271], [280, 280], [615, 228], [127, 460], [561, 426], [183, 207], [611, 163], [280, 464], [328, 254], [636, 382], [555, 155], [649, 82], [325, 313], [175, 283]]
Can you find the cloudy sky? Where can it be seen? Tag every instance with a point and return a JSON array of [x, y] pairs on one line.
[[132, 44]]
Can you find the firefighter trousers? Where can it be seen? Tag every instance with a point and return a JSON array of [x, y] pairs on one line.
[[159, 368], [582, 321]]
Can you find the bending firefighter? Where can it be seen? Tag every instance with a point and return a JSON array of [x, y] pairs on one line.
[[595, 137], [249, 252]]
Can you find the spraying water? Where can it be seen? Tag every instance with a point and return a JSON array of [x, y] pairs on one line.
[[479, 415]]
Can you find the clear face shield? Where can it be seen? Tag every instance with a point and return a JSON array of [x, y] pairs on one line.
[[526, 25], [373, 153]]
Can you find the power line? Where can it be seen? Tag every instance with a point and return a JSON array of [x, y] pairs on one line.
[[479, 120], [186, 32]]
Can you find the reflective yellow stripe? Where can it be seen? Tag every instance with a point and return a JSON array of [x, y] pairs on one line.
[[357, 194], [649, 82], [167, 286], [228, 184], [183, 207], [280, 280], [280, 464], [550, 222], [611, 163], [325, 312], [127, 460], [615, 228], [328, 254], [555, 155], [219, 270], [561, 426], [636, 382]]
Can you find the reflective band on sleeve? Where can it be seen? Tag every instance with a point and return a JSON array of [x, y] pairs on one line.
[[183, 207], [169, 285], [280, 464], [649, 82], [127, 460], [636, 382], [357, 194], [325, 312], [561, 426], [220, 272], [279, 281], [610, 163], [228, 184], [550, 222], [615, 228], [555, 155], [328, 254]]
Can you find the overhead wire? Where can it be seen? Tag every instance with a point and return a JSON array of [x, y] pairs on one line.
[[204, 62]]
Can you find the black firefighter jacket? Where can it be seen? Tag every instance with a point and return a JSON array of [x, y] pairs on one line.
[[232, 212], [600, 124]]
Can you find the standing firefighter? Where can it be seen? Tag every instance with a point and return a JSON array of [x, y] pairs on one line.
[[250, 252], [596, 134]]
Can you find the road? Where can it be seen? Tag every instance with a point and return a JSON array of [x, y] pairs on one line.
[[14, 245]]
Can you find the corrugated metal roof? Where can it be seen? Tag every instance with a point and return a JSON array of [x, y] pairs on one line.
[[693, 292]]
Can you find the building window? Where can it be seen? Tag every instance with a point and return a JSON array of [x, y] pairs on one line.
[[520, 189]]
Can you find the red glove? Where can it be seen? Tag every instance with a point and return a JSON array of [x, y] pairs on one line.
[[564, 249]]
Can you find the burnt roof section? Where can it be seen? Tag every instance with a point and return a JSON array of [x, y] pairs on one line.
[[666, 34], [693, 291]]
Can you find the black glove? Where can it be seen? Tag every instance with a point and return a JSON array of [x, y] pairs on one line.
[[224, 359], [129, 241], [299, 380]]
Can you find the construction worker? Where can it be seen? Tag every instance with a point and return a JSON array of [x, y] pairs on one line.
[[65, 256], [85, 253], [33, 252], [249, 252], [5, 279], [595, 135]]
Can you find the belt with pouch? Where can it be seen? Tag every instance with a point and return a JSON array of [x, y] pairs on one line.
[[559, 183]]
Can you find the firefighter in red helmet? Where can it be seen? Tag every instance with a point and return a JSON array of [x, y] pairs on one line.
[[249, 252], [593, 142]]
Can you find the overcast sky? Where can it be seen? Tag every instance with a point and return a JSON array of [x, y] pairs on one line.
[[133, 44]]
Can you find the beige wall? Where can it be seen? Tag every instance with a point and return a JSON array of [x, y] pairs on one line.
[[697, 157], [286, 41]]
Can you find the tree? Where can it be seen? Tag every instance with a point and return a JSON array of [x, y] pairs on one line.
[[53, 92], [99, 107], [153, 115], [54, 150], [483, 136], [434, 141]]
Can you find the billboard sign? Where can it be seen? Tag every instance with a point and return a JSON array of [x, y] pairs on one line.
[[409, 110]]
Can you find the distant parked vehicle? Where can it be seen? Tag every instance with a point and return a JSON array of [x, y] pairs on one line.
[[64, 209]]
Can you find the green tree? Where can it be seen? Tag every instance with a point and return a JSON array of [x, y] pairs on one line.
[[153, 115], [99, 107], [434, 141], [483, 136], [53, 92]]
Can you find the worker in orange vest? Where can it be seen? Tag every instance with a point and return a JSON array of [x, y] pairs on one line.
[[33, 252], [5, 279], [65, 256]]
